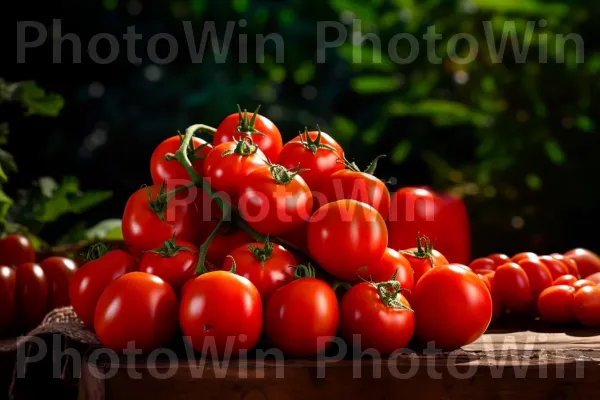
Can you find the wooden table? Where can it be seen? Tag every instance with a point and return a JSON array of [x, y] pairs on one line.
[[503, 364]]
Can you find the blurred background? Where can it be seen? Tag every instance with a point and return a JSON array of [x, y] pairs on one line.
[[517, 140]]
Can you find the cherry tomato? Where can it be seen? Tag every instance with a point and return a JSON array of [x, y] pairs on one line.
[[139, 308], [588, 262], [376, 316], [171, 171], [557, 268], [346, 235], [91, 279], [594, 277], [453, 307], [268, 266], [59, 271], [581, 283], [221, 312], [483, 263], [175, 262], [392, 264], [7, 297], [274, 200], [523, 256], [568, 280], [570, 263], [556, 304], [586, 304], [302, 317], [31, 294], [16, 250], [499, 259], [423, 257], [263, 131], [224, 242], [537, 273], [315, 151], [512, 286]]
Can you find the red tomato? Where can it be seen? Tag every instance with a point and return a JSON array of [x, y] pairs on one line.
[[539, 276], [499, 259], [302, 317], [512, 286], [139, 308], [89, 281], [392, 264], [221, 313], [175, 262], [523, 256], [568, 280], [31, 294], [497, 307], [453, 307], [346, 235], [483, 263], [274, 200], [224, 242], [588, 262], [315, 151], [594, 277], [376, 316], [581, 283], [268, 266], [59, 271], [570, 263], [171, 171], [557, 268], [423, 257], [263, 132], [7, 297], [488, 280], [586, 304], [556, 304], [16, 250]]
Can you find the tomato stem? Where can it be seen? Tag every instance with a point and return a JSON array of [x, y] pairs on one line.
[[388, 293], [304, 271], [341, 284], [170, 248], [96, 251], [262, 254], [314, 145], [233, 268], [424, 249]]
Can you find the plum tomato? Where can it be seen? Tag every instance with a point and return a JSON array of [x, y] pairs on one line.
[[31, 294], [522, 256], [163, 169], [588, 262], [567, 279], [16, 250], [594, 277], [557, 268], [539, 276], [59, 272], [556, 304], [175, 262], [570, 263], [483, 263], [7, 297], [499, 259], [581, 283], [512, 286], [586, 304]]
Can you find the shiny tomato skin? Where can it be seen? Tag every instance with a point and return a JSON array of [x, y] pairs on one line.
[[367, 323], [176, 268], [392, 262], [346, 235], [223, 243], [302, 317], [488, 280], [59, 271], [272, 208], [581, 283], [91, 279], [221, 312], [523, 256], [421, 265], [453, 307], [513, 287], [594, 277], [8, 279], [16, 250], [31, 294], [499, 259], [269, 142], [172, 171], [277, 271], [556, 267], [136, 307], [482, 263], [567, 279], [586, 304], [539, 276], [588, 262], [570, 263], [556, 304]]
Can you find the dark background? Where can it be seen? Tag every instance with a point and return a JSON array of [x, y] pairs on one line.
[[517, 140]]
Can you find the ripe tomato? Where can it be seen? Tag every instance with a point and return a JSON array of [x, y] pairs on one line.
[[262, 130], [488, 279], [171, 171], [523, 256], [453, 307], [512, 286], [302, 317], [346, 235], [16, 250], [497, 307], [315, 151], [581, 283], [175, 262], [89, 281], [59, 271], [268, 266], [139, 308], [556, 304], [7, 297], [376, 316], [594, 277], [423, 257], [539, 276], [499, 259], [221, 313], [588, 262], [392, 264], [483, 263], [568, 280], [586, 304], [570, 263], [224, 242], [557, 268], [31, 294], [274, 200]]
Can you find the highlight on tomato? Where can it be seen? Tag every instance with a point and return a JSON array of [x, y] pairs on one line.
[[7, 297], [59, 272], [512, 286], [164, 168], [15, 250], [175, 262], [392, 266], [588, 262], [31, 295]]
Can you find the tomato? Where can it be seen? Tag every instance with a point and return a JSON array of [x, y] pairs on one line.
[[557, 268], [268, 266], [453, 307], [91, 279], [302, 317], [586, 304], [581, 283], [353, 184], [227, 166], [512, 286], [523, 256], [262, 130], [423, 257], [175, 262], [224, 242], [499, 259], [588, 262], [139, 308], [171, 171], [556, 304], [483, 263], [392, 264], [594, 277], [274, 200], [376, 316], [539, 276], [346, 235], [315, 151], [31, 294], [221, 313], [568, 280], [488, 280], [59, 271], [7, 297], [16, 250]]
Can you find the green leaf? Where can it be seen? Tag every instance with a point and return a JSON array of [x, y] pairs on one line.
[[3, 177], [109, 229], [442, 112], [5, 203], [585, 123], [37, 101], [277, 73], [7, 161], [523, 7], [305, 73], [554, 152], [343, 128], [240, 6], [401, 151], [374, 84], [533, 181]]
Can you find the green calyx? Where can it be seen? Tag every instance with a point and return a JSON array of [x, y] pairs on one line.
[[388, 293], [243, 148], [262, 254], [282, 175], [304, 271], [370, 168], [424, 249], [96, 251], [158, 205], [245, 125], [314, 145], [170, 248]]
